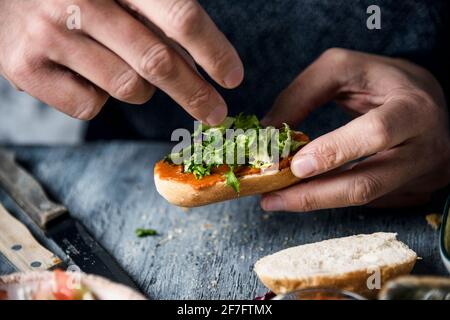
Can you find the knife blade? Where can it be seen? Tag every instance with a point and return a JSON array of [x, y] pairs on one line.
[[58, 225]]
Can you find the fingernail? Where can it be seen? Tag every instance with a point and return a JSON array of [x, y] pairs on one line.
[[217, 115], [234, 77], [273, 203], [304, 166]]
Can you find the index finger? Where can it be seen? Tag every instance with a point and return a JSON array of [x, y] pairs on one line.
[[187, 23], [154, 60]]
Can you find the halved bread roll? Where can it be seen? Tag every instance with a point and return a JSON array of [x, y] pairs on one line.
[[348, 263], [185, 194], [184, 190]]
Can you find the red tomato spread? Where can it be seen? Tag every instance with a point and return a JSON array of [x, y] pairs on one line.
[[168, 171]]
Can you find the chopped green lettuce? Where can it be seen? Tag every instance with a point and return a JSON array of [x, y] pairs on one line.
[[246, 122], [249, 144], [232, 180]]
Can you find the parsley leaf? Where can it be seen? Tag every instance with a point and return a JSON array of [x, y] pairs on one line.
[[232, 180], [246, 122], [249, 145], [142, 233]]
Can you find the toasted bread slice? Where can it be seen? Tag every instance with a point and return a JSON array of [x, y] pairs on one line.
[[186, 195], [183, 190], [349, 263]]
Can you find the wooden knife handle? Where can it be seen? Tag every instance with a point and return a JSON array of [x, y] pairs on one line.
[[26, 191], [18, 245]]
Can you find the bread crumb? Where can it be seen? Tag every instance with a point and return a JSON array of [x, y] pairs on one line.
[[434, 220], [207, 226], [171, 235]]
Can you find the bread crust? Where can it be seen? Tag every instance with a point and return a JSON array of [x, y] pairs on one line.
[[355, 281], [294, 271], [184, 195]]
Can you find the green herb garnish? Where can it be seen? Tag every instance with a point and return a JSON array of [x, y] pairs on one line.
[[246, 144], [142, 233], [232, 180], [246, 122]]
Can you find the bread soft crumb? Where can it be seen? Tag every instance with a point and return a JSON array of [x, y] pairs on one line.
[[434, 220], [335, 256], [338, 263]]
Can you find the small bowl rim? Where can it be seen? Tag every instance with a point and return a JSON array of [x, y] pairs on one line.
[[337, 291], [445, 219]]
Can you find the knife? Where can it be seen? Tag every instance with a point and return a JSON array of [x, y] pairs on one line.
[[20, 247], [55, 221]]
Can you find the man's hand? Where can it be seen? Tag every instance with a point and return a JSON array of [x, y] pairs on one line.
[[114, 54], [397, 150]]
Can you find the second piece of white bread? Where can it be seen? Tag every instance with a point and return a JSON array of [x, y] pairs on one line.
[[343, 263]]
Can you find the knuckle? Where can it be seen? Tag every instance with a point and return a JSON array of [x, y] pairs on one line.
[[126, 85], [380, 131], [219, 60], [327, 156], [184, 16], [89, 109], [52, 11], [20, 71], [23, 66], [328, 159], [363, 190], [306, 202], [336, 60], [148, 94], [336, 56], [42, 33], [42, 37], [199, 98], [158, 63]]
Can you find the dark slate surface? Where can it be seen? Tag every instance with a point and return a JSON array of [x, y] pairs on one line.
[[202, 253]]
